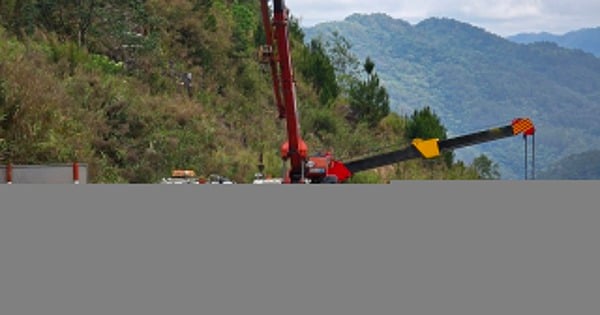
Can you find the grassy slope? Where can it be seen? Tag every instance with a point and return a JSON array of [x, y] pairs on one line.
[[59, 103], [474, 80]]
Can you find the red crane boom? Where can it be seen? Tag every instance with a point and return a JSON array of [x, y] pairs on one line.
[[324, 168], [294, 148]]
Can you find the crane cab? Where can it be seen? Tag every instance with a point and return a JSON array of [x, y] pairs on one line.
[[319, 169]]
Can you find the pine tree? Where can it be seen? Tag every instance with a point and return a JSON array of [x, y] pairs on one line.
[[345, 63], [369, 101], [486, 168], [316, 66], [425, 124]]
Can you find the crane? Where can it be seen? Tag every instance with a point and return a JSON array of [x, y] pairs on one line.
[[277, 54], [323, 168]]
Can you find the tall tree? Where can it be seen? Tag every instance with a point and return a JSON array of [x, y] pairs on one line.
[[486, 168], [369, 100], [425, 124], [345, 63], [318, 69], [18, 16]]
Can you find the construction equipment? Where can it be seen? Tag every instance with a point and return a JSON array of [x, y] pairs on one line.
[[277, 52], [189, 177], [323, 168], [181, 177], [260, 178], [219, 179]]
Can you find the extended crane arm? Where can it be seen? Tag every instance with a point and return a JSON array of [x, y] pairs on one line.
[[277, 52], [267, 56], [431, 148]]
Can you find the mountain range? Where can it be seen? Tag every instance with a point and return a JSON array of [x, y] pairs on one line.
[[587, 39], [581, 166], [474, 79]]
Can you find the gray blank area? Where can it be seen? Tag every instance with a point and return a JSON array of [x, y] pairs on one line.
[[407, 248], [44, 174]]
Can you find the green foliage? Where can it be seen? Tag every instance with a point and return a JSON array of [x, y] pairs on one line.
[[474, 79], [316, 67], [587, 39], [105, 64], [18, 16], [394, 124], [322, 123], [101, 83], [296, 32], [486, 168], [580, 166], [246, 22], [425, 124], [346, 64], [459, 171], [366, 178], [369, 100]]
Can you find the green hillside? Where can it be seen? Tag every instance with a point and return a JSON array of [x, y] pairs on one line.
[[138, 88], [475, 79], [581, 166], [587, 39]]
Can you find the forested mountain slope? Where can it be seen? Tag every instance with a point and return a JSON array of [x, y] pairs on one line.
[[475, 79], [581, 166], [587, 39], [138, 88]]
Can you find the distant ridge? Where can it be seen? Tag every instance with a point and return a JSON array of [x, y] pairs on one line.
[[587, 39], [473, 78]]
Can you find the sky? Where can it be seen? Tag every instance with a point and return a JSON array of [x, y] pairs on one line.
[[502, 17]]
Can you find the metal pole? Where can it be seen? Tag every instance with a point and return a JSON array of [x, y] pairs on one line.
[[302, 174], [526, 161], [284, 170], [533, 153]]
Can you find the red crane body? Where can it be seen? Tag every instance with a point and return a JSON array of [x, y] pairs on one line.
[[295, 148], [266, 54], [323, 168]]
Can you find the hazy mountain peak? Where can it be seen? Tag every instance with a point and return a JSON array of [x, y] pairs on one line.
[[473, 78], [378, 19], [441, 21], [446, 25], [586, 39], [357, 17]]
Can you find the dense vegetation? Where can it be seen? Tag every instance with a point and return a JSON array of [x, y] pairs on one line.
[[587, 39], [138, 88], [581, 166], [475, 80]]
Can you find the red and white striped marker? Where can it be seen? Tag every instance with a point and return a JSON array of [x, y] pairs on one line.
[[9, 173], [75, 173]]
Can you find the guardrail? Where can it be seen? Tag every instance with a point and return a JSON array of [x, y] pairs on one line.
[[75, 173]]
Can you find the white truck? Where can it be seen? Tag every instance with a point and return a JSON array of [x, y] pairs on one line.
[[181, 177], [259, 179], [189, 177]]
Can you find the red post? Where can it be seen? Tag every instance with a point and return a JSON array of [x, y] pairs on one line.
[[9, 173], [75, 173]]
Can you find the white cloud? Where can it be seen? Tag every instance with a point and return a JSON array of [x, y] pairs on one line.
[[502, 17], [311, 12], [501, 10]]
